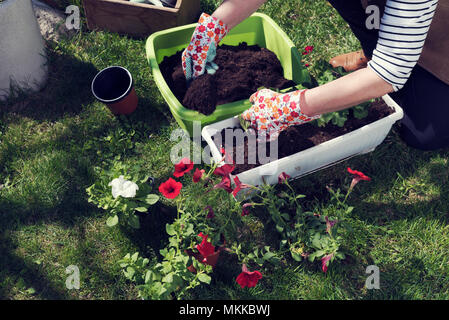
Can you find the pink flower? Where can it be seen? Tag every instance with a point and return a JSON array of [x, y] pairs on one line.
[[201, 28], [225, 184], [357, 176], [247, 278], [245, 209], [325, 262], [283, 177], [329, 224], [210, 212], [239, 186]]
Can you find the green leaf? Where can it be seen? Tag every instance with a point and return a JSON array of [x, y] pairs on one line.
[[205, 278], [170, 229], [31, 290], [360, 111], [168, 278], [130, 272], [152, 199], [279, 228], [112, 221], [141, 209], [296, 256], [244, 123], [268, 255]]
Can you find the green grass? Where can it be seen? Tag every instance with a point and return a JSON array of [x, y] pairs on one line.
[[52, 140]]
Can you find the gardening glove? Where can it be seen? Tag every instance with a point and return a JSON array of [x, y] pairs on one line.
[[201, 52], [272, 112]]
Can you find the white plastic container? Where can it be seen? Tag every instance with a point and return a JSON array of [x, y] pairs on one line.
[[22, 54], [360, 141]]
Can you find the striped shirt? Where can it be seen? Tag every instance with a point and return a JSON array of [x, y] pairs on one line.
[[403, 31]]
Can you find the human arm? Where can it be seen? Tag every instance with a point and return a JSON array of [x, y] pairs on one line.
[[402, 34], [232, 12], [210, 30]]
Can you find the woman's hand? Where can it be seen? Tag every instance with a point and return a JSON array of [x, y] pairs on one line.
[[272, 112], [200, 53]]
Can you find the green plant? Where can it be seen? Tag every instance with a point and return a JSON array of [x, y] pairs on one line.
[[304, 234], [325, 73], [118, 206]]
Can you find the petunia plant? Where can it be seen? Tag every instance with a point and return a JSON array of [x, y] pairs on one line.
[[199, 234], [122, 192]]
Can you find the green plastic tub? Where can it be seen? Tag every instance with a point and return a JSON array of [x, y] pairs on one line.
[[258, 29]]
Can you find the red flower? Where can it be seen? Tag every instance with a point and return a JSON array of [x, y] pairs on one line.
[[205, 248], [308, 49], [357, 176], [184, 166], [170, 188], [198, 68], [199, 49], [210, 212], [201, 28], [307, 65], [239, 186], [286, 98], [283, 177], [211, 25], [247, 278], [225, 184], [325, 262], [225, 170], [245, 209], [197, 175]]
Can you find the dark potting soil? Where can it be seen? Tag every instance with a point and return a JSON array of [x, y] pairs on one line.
[[242, 70], [302, 137]]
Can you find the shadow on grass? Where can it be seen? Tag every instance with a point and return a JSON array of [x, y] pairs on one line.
[[66, 92], [17, 270]]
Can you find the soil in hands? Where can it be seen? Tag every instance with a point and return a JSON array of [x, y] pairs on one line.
[[302, 137], [242, 71]]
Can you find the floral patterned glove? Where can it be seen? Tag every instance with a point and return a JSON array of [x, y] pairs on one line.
[[201, 52], [272, 112]]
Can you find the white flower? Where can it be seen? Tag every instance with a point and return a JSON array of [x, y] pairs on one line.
[[122, 187]]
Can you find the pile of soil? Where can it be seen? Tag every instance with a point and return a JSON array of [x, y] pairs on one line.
[[242, 71], [302, 137]]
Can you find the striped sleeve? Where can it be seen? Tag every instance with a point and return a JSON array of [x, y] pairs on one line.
[[403, 31]]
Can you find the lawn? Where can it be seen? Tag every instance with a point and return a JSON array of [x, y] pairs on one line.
[[52, 144]]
